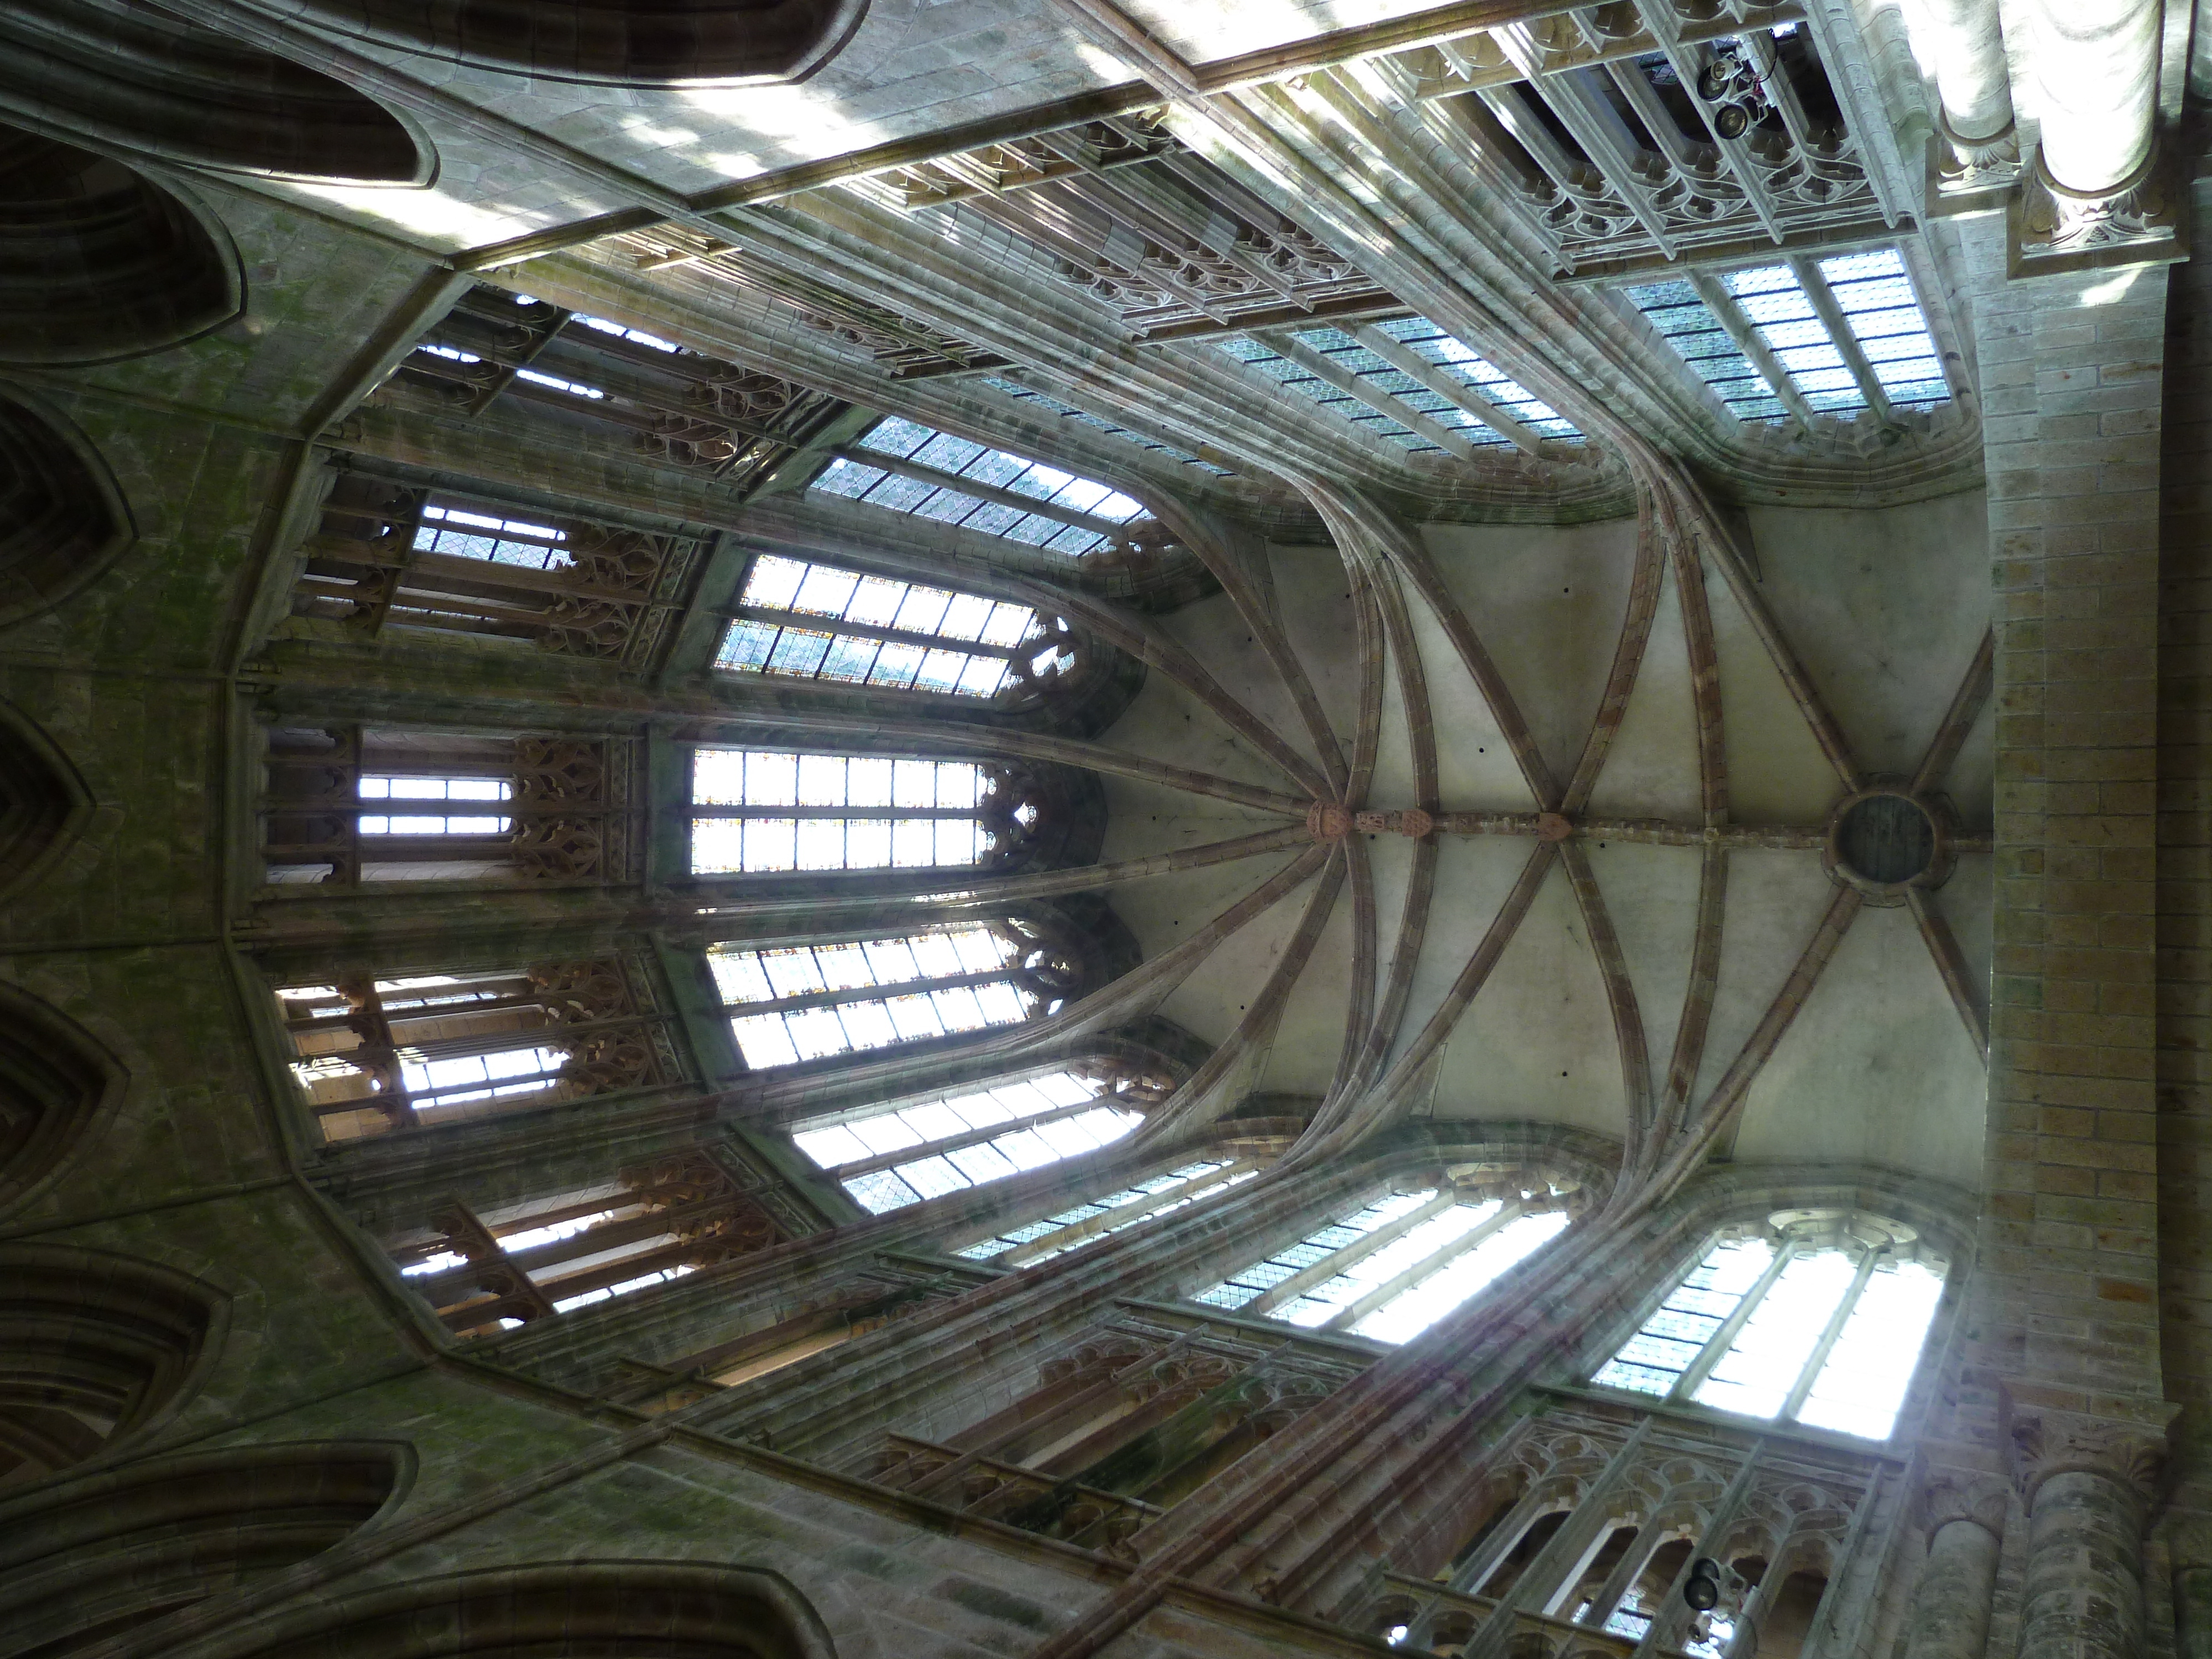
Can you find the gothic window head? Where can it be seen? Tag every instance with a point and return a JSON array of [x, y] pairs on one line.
[[893, 1154], [1818, 1317], [376, 1056], [761, 810], [903, 466], [1394, 1267], [1028, 1243], [792, 1003], [810, 620]]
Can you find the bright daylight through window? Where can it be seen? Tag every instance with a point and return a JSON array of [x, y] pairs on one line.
[[816, 622], [898, 1156], [1098, 1217], [1822, 1326], [421, 806], [1394, 1268], [757, 811], [808, 1001], [1023, 501]]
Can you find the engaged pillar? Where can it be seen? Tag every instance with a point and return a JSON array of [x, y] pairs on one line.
[[1950, 1617]]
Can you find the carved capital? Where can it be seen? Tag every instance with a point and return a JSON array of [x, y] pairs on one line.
[[1967, 165], [1949, 1495], [2045, 1442], [2141, 221]]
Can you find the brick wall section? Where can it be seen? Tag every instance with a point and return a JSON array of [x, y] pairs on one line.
[[2070, 371], [2184, 861]]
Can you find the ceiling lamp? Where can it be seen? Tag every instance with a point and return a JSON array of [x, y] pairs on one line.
[[1732, 82]]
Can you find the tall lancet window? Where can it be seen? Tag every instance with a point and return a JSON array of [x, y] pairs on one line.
[[803, 621], [1817, 1319], [891, 1156], [757, 811], [1395, 1266], [800, 1002], [1032, 1241], [906, 467]]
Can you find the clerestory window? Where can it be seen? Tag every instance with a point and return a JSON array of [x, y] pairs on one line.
[[816, 622], [767, 811], [374, 1055], [1394, 1268], [1112, 1213], [801, 1002], [1821, 1322], [906, 467], [888, 1157]]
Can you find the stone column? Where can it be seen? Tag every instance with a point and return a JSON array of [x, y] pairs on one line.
[[2192, 1611], [1969, 71], [2093, 186], [2086, 1482], [1950, 1616]]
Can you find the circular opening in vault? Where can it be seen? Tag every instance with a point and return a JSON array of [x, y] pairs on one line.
[[1886, 838]]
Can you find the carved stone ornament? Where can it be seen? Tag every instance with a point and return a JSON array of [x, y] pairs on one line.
[[1951, 1495], [2054, 229], [2048, 1442], [1965, 167]]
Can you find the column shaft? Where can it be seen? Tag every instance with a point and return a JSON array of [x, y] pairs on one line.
[[2096, 75], [2083, 1595], [1950, 1617], [1970, 67]]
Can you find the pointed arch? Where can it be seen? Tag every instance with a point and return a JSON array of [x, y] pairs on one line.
[[116, 1551], [607, 1609], [94, 1349], [142, 80], [98, 263], [55, 1083], [633, 43], [62, 519]]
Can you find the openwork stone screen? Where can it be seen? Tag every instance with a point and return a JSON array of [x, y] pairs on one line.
[[1826, 1334], [1392, 1268], [897, 1156], [815, 622], [911, 468], [1111, 1213], [762, 810], [801, 1002]]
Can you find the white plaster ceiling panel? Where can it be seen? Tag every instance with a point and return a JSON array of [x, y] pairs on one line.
[[1143, 818], [1390, 859], [1775, 904], [1219, 991], [1548, 604], [1164, 722], [1213, 632], [1473, 876], [1886, 608], [1651, 894], [1967, 903], [1224, 28], [1166, 910], [1538, 1042], [1776, 771], [1971, 782], [1475, 770], [1875, 1068], [1650, 770], [1313, 601], [1310, 1039]]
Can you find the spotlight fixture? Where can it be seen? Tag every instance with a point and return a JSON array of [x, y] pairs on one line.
[[1732, 83], [1702, 1589]]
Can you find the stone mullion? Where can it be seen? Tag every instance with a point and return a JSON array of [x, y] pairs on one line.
[[1671, 1622], [1454, 391], [1807, 272], [862, 993], [1081, 1232], [1349, 1256], [961, 1143], [1406, 1279], [1717, 1345], [1383, 402], [867, 631], [879, 814], [1738, 327], [882, 461], [1809, 1373]]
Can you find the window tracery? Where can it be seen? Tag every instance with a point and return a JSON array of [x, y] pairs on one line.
[[1817, 1319], [792, 1003], [655, 1223], [891, 1156], [800, 620], [905, 467], [348, 805], [376, 1056], [393, 555], [1031, 1242], [768, 811], [1392, 1268]]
